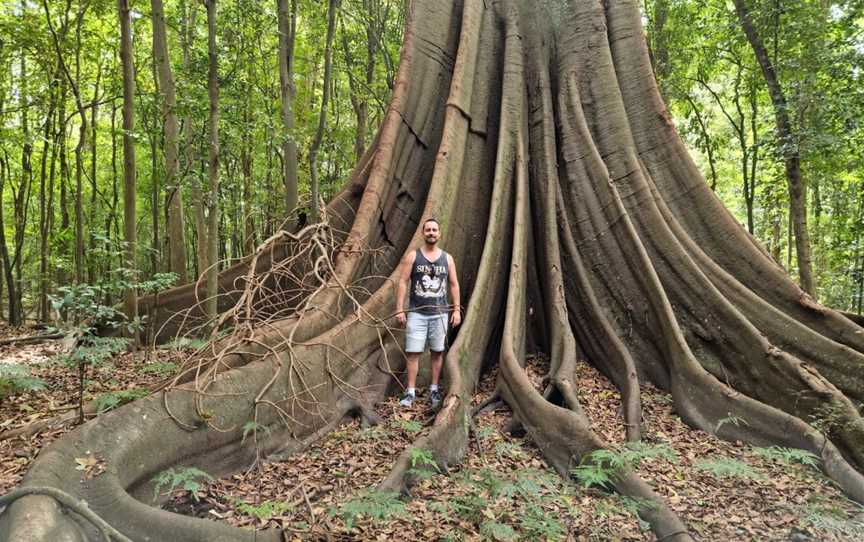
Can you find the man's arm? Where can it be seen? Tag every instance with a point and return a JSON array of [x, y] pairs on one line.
[[456, 313], [404, 276]]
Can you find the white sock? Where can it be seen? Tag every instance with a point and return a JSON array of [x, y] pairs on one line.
[[411, 391], [433, 387]]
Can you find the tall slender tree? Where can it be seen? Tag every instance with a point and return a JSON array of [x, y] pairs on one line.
[[176, 231], [74, 85], [287, 34], [129, 225], [212, 270], [788, 143], [315, 146], [189, 13]]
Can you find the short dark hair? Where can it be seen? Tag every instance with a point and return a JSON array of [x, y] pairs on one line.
[[431, 219]]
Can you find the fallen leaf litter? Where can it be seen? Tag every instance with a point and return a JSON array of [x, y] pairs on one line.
[[503, 491]]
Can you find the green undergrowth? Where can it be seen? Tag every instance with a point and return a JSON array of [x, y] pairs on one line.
[[16, 378], [505, 492]]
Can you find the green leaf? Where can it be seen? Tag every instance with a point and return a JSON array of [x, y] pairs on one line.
[[376, 505], [724, 467]]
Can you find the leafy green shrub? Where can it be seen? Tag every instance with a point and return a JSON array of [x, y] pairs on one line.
[[15, 378], [253, 427], [724, 467], [188, 478], [470, 506], [161, 368], [409, 426], [185, 343], [508, 449], [827, 516], [423, 459], [537, 524], [376, 505], [87, 309], [497, 531], [593, 475], [788, 456], [111, 400], [598, 468]]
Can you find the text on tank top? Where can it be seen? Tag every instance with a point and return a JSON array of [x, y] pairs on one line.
[[429, 284]]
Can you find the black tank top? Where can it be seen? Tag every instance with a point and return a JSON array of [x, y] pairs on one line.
[[429, 284]]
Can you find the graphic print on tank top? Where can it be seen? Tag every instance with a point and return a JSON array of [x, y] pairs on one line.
[[429, 283]]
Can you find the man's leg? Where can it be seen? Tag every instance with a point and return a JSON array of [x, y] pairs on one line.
[[437, 343], [412, 365], [437, 359], [415, 342]]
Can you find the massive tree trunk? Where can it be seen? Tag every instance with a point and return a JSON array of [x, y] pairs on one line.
[[640, 270]]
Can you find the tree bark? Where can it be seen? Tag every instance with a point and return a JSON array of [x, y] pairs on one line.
[[46, 199], [176, 231], [94, 185], [189, 13], [83, 131], [130, 299], [22, 195], [14, 318], [315, 146], [212, 270], [787, 139], [247, 209], [287, 33]]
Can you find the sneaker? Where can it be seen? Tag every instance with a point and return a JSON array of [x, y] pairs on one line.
[[407, 400], [435, 398]]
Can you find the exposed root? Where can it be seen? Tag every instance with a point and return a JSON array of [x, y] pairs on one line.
[[33, 339], [71, 504], [491, 403], [633, 266]]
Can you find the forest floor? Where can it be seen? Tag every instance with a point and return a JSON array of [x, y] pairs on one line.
[[503, 491]]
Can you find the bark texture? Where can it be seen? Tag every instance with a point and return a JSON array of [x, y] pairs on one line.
[[287, 33], [540, 141], [130, 227], [212, 270], [171, 130]]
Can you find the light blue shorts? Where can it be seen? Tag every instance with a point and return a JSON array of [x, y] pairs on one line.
[[421, 328]]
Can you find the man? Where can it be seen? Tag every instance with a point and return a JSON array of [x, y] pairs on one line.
[[431, 273]]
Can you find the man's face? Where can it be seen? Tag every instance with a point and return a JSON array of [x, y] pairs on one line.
[[430, 232]]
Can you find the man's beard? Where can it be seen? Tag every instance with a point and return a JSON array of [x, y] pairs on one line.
[[431, 241]]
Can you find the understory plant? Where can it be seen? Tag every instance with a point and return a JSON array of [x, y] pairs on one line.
[[374, 504], [16, 378], [176, 478], [95, 329]]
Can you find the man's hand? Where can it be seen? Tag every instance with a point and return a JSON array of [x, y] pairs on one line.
[[456, 317], [401, 318]]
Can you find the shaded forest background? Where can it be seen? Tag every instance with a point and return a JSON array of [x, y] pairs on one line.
[[63, 180]]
